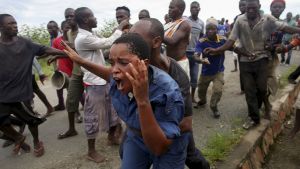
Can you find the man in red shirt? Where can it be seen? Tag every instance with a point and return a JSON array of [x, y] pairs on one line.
[[65, 65]]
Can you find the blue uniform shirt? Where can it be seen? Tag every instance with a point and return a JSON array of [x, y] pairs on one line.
[[217, 61], [165, 98]]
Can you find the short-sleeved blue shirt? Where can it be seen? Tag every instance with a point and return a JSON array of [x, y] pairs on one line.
[[165, 98], [217, 61]]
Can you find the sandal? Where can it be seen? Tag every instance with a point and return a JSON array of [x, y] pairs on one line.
[[66, 135], [18, 145], [40, 150]]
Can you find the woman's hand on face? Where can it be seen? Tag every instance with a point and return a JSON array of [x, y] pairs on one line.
[[139, 80]]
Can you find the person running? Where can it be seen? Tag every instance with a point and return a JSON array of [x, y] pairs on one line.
[[214, 71], [148, 100], [252, 29], [16, 55]]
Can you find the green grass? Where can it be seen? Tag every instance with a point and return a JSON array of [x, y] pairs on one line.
[[283, 80], [220, 144]]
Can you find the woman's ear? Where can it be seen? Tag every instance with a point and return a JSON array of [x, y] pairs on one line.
[[146, 61]]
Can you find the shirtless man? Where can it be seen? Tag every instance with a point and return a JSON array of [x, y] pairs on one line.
[[177, 34]]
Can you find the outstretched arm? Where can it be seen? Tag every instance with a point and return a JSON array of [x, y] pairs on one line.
[[52, 51], [153, 135], [99, 70], [215, 51], [291, 29]]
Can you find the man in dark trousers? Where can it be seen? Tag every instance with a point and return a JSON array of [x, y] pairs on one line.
[[252, 30]]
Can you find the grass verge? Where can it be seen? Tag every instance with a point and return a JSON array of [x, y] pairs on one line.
[[220, 144], [283, 80]]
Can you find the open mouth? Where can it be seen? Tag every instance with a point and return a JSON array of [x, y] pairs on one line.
[[119, 83]]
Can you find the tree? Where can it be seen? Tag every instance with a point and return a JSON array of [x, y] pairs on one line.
[[38, 35], [108, 27]]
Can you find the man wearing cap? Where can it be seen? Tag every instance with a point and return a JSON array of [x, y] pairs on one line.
[[252, 30], [213, 72]]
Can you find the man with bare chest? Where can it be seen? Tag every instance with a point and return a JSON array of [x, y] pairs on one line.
[[177, 34]]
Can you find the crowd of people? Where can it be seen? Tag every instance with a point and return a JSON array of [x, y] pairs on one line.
[[151, 80]]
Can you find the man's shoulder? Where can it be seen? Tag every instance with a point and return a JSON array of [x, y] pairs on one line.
[[203, 39], [162, 79], [185, 23], [222, 38], [241, 17], [269, 17]]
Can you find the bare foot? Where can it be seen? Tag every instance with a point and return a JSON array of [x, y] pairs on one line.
[[96, 157]]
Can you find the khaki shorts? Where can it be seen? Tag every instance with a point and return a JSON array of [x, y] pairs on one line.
[[75, 92]]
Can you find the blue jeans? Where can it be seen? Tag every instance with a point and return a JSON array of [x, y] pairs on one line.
[[194, 69]]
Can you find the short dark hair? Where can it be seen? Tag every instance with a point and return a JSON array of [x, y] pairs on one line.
[[157, 28], [136, 44], [80, 15], [180, 4], [146, 11], [69, 9], [195, 2], [123, 8], [55, 23], [252, 1], [2, 16], [63, 23]]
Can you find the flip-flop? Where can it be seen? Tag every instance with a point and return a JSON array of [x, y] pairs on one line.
[[17, 147], [66, 135], [40, 150]]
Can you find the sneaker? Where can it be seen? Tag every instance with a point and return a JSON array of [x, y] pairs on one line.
[[249, 124]]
